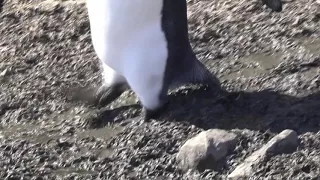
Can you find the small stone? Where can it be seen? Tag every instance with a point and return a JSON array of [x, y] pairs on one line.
[[298, 21], [205, 150], [4, 72], [285, 142]]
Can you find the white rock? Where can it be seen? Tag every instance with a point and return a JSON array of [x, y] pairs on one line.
[[285, 142], [4, 72], [206, 149]]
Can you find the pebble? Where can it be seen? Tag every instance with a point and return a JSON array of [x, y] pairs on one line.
[[4, 72], [285, 142], [206, 149]]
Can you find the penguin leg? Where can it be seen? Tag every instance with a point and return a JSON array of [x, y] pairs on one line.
[[149, 87], [149, 113], [113, 86]]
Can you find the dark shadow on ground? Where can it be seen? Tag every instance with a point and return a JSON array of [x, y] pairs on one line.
[[1, 5], [252, 110]]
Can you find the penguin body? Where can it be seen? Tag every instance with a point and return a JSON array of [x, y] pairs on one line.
[[144, 45], [128, 39]]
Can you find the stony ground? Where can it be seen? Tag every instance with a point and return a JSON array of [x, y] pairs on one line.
[[46, 56]]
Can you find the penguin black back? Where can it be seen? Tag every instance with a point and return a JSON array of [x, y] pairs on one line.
[[182, 65]]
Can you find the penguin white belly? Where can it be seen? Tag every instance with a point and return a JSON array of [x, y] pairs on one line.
[[128, 38], [121, 26]]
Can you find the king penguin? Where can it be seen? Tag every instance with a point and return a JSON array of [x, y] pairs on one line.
[[144, 45]]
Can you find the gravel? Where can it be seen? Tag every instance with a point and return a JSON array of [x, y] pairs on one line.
[[47, 57]]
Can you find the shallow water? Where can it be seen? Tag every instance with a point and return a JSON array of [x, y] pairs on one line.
[[312, 45], [106, 132], [258, 64], [254, 65]]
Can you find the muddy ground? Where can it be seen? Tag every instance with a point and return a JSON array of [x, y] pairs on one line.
[[46, 55]]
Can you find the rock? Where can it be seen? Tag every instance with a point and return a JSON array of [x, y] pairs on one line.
[[206, 149], [285, 142], [4, 72]]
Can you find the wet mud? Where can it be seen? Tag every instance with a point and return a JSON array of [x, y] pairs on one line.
[[46, 57]]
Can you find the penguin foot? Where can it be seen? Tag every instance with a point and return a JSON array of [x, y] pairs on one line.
[[148, 114], [106, 94], [275, 5], [228, 100]]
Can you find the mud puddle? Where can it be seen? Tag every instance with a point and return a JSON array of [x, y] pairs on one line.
[[258, 64], [15, 130], [311, 73], [263, 61], [55, 129], [106, 132], [254, 65], [67, 171], [312, 45], [30, 132]]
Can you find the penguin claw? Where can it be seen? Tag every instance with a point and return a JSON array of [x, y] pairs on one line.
[[151, 114], [148, 114], [106, 94]]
